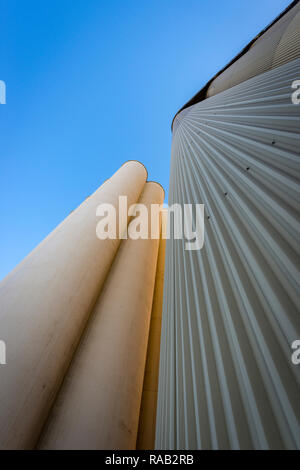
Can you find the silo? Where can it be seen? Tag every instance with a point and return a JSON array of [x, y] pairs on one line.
[[147, 418], [45, 303], [231, 309], [99, 403]]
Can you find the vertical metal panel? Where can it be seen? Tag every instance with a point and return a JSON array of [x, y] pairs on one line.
[[231, 310], [178, 118]]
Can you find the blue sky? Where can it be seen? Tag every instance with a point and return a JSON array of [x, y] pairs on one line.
[[91, 84]]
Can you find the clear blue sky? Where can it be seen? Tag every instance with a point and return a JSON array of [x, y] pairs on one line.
[[91, 84]]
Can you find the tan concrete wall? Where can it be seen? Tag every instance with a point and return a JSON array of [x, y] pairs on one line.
[[44, 305], [147, 420], [99, 402]]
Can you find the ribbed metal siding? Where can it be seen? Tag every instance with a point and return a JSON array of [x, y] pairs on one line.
[[179, 117], [277, 46], [289, 46], [231, 310]]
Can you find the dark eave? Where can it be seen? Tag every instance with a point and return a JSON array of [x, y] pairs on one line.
[[201, 95]]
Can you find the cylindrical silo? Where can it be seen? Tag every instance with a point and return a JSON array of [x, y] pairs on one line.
[[231, 310], [45, 303], [147, 419], [99, 402]]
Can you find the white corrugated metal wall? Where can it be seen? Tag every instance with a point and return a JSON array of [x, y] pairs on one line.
[[231, 310], [278, 45]]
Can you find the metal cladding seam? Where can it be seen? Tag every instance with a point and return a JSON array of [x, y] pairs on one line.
[[231, 310]]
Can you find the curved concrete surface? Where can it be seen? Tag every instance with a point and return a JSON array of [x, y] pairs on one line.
[[45, 303], [98, 405]]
